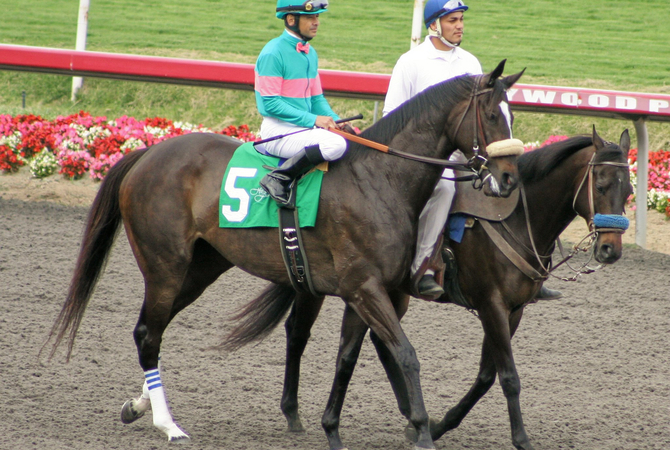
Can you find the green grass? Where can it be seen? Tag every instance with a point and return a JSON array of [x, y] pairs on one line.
[[604, 45]]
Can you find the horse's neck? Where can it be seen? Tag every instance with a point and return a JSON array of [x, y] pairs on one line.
[[550, 201], [406, 183]]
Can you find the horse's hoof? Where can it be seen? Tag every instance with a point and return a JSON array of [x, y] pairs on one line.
[[296, 427], [184, 439], [413, 436], [523, 446], [175, 434], [410, 433], [128, 412]]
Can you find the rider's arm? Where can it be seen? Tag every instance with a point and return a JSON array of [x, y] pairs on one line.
[[400, 87]]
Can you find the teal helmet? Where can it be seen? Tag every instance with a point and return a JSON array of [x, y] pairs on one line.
[[285, 7]]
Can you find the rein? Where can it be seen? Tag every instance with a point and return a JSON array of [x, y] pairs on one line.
[[469, 166], [391, 151]]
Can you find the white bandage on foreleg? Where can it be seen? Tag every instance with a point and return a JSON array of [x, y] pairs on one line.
[[162, 417], [506, 147]]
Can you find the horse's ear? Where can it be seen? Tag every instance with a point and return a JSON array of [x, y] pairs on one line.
[[624, 141], [493, 76], [597, 140], [509, 81]]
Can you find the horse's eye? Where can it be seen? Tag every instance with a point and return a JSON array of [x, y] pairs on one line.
[[600, 189], [493, 117]]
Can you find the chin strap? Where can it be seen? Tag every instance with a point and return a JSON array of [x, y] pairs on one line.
[[438, 34], [295, 29]]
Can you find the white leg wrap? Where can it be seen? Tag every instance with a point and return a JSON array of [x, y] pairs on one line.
[[162, 417]]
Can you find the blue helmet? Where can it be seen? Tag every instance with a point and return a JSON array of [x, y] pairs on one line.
[[435, 9], [285, 7]]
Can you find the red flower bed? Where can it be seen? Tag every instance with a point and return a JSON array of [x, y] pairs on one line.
[[81, 142]]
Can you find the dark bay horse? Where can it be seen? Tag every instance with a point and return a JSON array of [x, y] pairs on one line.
[[580, 176], [167, 199]]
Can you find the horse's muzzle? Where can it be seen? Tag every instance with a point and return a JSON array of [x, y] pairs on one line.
[[608, 248], [503, 188]]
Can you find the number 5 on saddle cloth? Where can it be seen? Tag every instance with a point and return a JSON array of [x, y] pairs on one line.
[[244, 204]]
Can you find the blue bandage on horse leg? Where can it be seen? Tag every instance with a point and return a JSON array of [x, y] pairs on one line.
[[611, 221]]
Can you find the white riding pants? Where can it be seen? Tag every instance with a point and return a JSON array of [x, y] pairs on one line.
[[434, 215], [332, 146]]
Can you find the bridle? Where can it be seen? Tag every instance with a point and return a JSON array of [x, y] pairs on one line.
[[595, 225], [598, 223], [478, 174]]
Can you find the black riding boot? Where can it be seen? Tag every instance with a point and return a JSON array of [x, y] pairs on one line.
[[277, 183]]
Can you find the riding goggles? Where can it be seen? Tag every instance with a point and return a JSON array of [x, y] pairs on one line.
[[308, 6], [449, 7]]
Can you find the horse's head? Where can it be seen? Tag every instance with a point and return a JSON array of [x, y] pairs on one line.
[[484, 132], [602, 194]]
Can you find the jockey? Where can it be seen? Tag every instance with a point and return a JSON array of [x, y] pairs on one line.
[[290, 98]]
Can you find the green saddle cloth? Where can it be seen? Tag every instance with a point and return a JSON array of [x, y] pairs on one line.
[[244, 204]]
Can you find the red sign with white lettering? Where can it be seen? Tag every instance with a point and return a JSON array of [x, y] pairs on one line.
[[590, 99]]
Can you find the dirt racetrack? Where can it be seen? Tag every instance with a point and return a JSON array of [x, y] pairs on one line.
[[594, 366]]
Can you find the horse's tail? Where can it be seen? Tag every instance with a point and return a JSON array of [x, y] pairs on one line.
[[101, 230], [261, 316]]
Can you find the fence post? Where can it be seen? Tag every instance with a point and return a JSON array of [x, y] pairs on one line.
[[417, 22], [82, 31], [641, 188]]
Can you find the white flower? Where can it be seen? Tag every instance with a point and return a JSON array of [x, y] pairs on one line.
[[12, 141], [43, 164], [192, 128], [131, 144]]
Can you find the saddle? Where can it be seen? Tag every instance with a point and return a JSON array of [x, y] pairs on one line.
[[473, 204]]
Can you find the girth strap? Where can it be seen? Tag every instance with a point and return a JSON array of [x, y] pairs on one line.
[[511, 254], [293, 253]]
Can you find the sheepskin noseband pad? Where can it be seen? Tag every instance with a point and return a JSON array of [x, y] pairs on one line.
[[506, 147]]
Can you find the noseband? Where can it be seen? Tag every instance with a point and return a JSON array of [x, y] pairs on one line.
[[601, 223]]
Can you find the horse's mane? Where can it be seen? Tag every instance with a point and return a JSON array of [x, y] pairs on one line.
[[443, 96], [537, 164]]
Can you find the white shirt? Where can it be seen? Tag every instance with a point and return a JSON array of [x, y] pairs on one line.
[[425, 66]]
